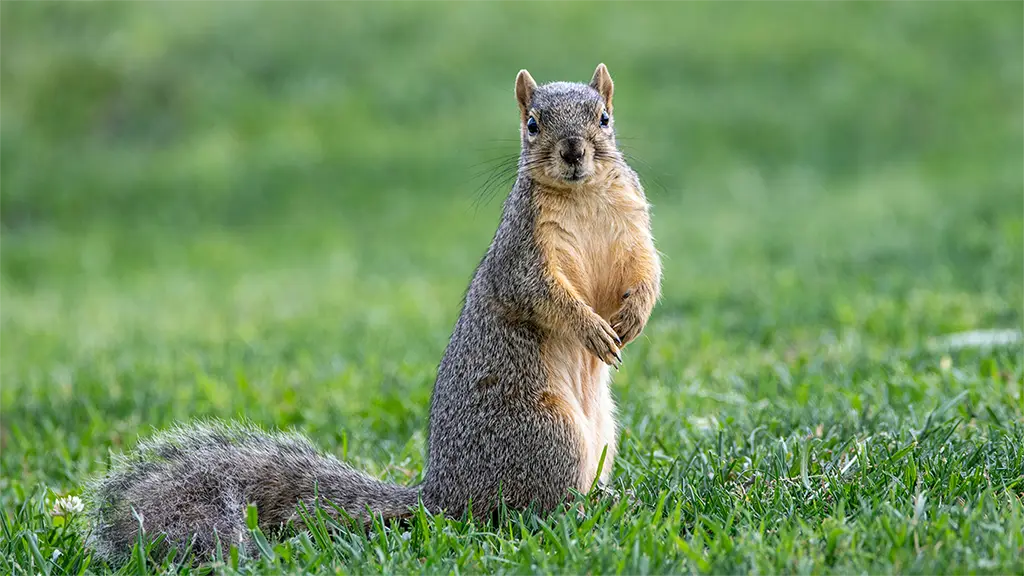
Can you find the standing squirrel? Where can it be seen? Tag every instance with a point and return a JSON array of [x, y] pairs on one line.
[[521, 411]]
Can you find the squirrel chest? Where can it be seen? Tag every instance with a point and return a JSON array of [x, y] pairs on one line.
[[592, 238]]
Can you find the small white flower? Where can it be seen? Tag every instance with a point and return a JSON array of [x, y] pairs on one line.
[[67, 505], [945, 363], [56, 554]]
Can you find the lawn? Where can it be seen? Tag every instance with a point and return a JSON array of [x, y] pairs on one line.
[[272, 211]]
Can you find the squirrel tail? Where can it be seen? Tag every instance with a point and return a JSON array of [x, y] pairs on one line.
[[193, 484]]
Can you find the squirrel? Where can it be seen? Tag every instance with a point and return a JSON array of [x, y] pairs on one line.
[[521, 412]]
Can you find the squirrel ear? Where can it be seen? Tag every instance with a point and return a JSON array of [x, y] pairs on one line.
[[602, 82], [525, 86]]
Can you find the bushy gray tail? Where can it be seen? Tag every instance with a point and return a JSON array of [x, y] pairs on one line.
[[193, 484]]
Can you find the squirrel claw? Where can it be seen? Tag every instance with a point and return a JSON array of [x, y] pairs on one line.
[[627, 327], [602, 341]]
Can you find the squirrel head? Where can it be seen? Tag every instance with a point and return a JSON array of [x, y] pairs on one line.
[[567, 129]]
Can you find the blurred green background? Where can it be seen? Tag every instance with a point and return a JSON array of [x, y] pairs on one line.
[[176, 173], [272, 209], [185, 172]]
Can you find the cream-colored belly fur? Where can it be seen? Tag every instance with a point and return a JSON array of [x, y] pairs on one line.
[[592, 237], [581, 382]]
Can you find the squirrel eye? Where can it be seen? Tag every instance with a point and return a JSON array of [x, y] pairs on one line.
[[604, 118], [531, 126]]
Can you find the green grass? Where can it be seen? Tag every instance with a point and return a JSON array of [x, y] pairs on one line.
[[272, 211]]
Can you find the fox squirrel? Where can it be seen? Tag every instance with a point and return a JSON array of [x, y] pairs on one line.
[[521, 410]]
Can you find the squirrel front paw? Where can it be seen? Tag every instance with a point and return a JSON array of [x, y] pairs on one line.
[[629, 321], [602, 341]]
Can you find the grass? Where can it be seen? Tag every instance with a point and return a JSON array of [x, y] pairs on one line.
[[226, 210]]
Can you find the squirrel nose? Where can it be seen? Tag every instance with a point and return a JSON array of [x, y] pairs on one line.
[[572, 151]]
